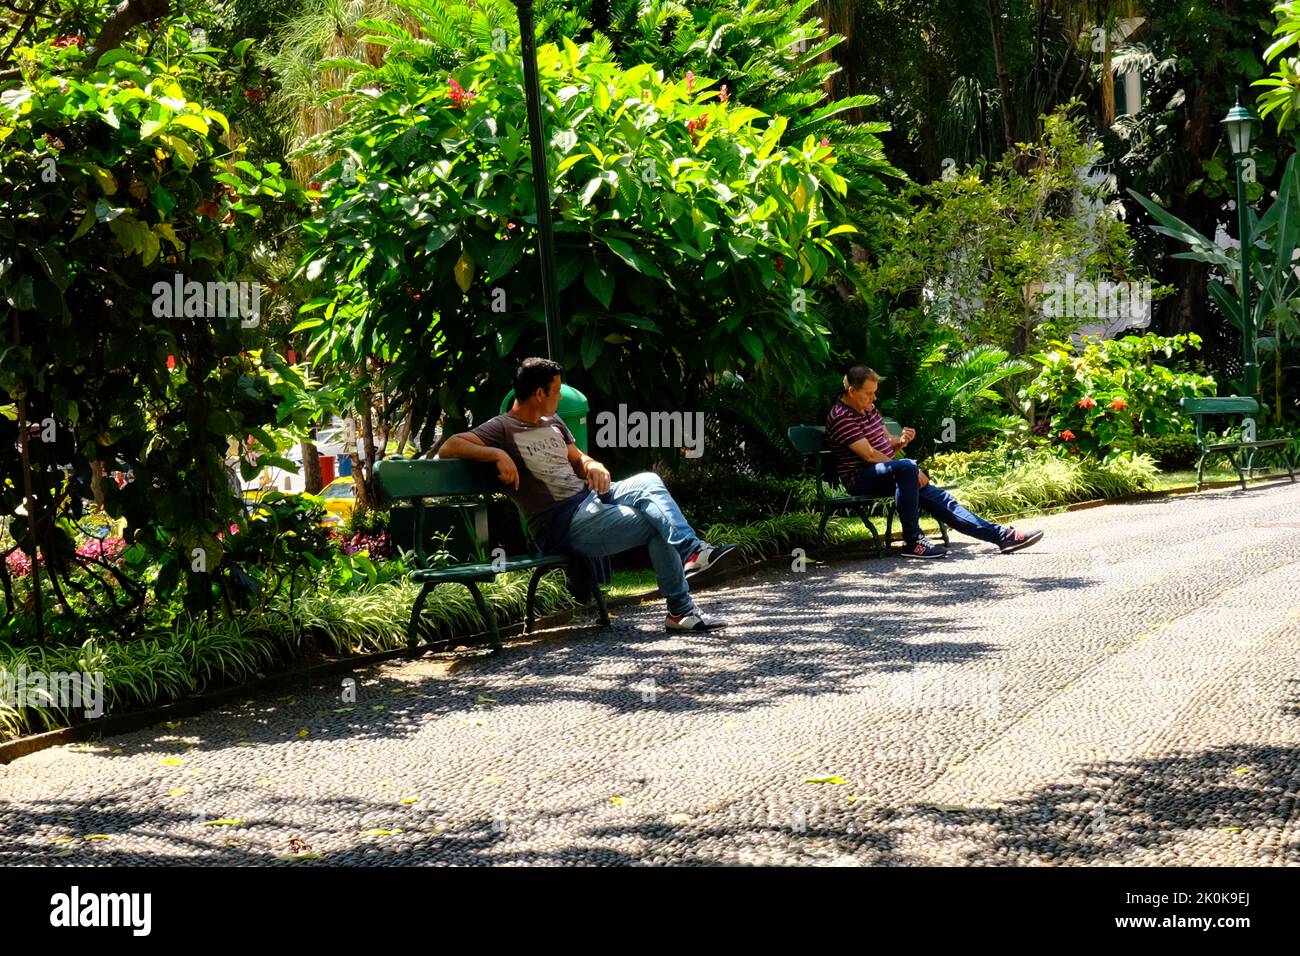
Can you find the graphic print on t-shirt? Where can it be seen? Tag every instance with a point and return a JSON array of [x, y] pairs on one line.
[[547, 457]]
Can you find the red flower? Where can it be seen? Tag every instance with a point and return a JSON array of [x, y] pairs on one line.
[[1067, 435], [690, 82], [1119, 404], [724, 96], [461, 98], [826, 140], [314, 184], [67, 41], [778, 260], [1086, 403], [696, 126]]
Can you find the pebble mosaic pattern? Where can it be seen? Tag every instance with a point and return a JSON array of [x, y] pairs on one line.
[[1127, 692]]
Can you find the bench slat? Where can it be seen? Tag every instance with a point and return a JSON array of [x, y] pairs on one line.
[[1226, 405], [436, 478]]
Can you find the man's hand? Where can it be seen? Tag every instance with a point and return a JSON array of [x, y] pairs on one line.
[[506, 469], [597, 477], [908, 435], [922, 479]]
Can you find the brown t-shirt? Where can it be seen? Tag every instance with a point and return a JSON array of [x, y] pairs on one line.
[[541, 454]]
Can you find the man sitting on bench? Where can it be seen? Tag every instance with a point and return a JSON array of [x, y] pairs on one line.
[[866, 463], [572, 506]]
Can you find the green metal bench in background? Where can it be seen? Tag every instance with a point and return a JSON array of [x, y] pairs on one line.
[[419, 479], [1201, 408], [832, 497]]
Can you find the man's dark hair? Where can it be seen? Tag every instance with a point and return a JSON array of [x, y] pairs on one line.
[[532, 374], [859, 374]]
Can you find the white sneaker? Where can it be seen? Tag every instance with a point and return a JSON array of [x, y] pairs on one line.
[[709, 558], [693, 620]]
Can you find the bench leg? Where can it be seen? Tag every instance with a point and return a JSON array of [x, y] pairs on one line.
[[600, 605], [532, 596], [1241, 475], [1200, 468], [865, 515], [486, 611], [412, 632], [821, 528]]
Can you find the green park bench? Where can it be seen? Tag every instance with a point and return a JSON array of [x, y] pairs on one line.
[[832, 497], [416, 480], [1202, 408]]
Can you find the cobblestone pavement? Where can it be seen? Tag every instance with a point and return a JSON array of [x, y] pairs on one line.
[[1127, 692]]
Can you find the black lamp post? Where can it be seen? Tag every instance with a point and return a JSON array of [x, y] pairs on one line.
[[541, 181], [1238, 123]]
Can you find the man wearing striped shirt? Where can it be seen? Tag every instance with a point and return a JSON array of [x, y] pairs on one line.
[[867, 464]]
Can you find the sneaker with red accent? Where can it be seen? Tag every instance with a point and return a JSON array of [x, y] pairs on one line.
[[1014, 540], [922, 548], [709, 558], [693, 620]]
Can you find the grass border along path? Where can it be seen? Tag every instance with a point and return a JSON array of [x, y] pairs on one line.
[[766, 548]]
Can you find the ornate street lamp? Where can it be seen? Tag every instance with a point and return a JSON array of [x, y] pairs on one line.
[[1238, 123]]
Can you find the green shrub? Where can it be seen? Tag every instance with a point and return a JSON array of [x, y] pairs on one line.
[[1171, 452], [720, 497]]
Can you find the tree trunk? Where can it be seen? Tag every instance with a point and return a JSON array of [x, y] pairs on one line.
[[311, 476], [1004, 74]]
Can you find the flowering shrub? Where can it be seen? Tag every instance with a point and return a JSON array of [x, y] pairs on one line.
[[379, 545], [1104, 396], [107, 549]]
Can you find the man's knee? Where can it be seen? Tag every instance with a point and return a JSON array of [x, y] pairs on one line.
[[905, 466]]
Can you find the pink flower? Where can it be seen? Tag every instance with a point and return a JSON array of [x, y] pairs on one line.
[[1067, 435], [690, 82], [826, 140]]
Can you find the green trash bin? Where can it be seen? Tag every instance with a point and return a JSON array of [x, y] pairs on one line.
[[573, 411]]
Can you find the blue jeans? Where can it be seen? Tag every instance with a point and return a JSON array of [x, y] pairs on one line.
[[643, 512], [900, 478]]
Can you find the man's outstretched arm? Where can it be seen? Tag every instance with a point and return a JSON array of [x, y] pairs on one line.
[[469, 446]]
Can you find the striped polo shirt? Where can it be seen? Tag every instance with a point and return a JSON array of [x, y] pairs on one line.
[[844, 426]]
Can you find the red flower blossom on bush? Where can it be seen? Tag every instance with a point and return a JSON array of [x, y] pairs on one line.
[[778, 261], [1067, 435], [1119, 405], [461, 98], [1086, 403], [826, 140], [690, 82], [724, 96], [696, 126], [62, 42]]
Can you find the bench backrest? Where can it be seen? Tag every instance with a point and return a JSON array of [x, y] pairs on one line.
[[1228, 405], [435, 478], [810, 441]]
